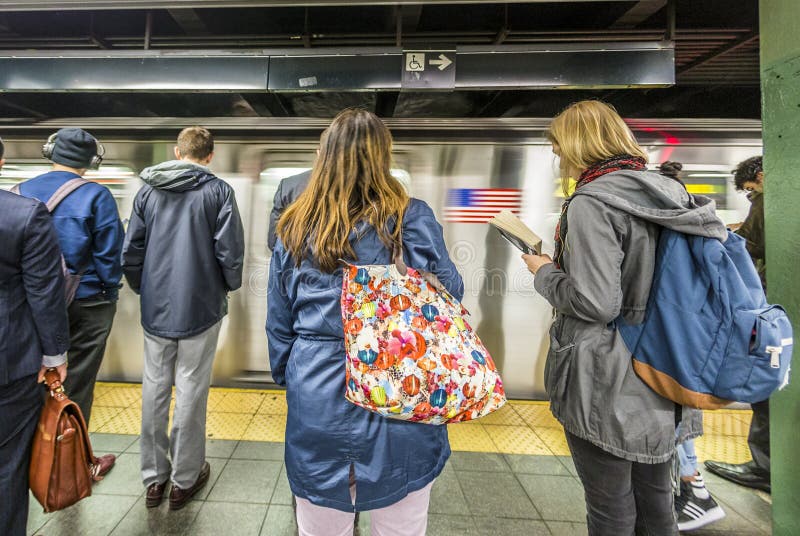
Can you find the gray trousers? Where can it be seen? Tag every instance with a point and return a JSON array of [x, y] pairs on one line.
[[624, 498], [186, 363]]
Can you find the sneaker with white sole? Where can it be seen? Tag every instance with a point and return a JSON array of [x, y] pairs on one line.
[[695, 506]]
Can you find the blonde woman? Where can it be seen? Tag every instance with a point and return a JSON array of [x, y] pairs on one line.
[[621, 434], [341, 458]]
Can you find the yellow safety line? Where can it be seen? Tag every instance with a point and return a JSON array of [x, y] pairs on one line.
[[521, 427]]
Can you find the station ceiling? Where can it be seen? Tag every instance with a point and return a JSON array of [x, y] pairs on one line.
[[716, 53]]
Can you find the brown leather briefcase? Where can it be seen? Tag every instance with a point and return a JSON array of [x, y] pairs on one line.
[[60, 472]]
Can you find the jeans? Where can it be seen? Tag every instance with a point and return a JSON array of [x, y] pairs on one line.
[[687, 458], [624, 497]]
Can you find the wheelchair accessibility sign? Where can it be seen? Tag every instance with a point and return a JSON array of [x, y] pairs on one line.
[[415, 61], [434, 69]]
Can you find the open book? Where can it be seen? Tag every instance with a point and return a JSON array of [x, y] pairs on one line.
[[512, 229]]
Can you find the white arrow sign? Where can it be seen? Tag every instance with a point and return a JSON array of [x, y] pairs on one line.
[[443, 62]]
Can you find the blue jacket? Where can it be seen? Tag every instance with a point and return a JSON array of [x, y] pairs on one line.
[[325, 434], [184, 250], [33, 313], [89, 231]]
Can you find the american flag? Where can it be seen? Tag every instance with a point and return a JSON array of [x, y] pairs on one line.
[[478, 205]]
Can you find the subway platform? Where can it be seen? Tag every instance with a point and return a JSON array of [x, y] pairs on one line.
[[510, 474]]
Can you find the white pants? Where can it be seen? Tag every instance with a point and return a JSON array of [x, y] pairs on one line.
[[407, 517]]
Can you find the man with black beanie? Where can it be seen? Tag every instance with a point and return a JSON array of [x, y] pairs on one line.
[[90, 234]]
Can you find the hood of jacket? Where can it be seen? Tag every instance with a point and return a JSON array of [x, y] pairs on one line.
[[658, 199], [176, 175]]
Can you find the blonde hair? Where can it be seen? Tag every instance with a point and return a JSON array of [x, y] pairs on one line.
[[350, 182], [588, 132]]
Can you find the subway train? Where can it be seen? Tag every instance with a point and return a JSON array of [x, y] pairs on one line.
[[465, 169]]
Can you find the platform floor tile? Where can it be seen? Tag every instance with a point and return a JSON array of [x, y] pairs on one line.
[[520, 427], [510, 473], [482, 494]]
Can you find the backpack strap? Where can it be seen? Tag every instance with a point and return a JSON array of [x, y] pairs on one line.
[[63, 191]]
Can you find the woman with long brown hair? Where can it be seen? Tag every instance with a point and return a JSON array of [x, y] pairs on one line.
[[341, 458], [621, 433]]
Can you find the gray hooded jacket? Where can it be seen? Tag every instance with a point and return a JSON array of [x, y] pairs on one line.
[[184, 249], [607, 270]]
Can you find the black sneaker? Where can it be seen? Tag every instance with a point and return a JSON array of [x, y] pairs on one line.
[[695, 506]]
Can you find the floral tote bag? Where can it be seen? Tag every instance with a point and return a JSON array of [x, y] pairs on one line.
[[411, 354]]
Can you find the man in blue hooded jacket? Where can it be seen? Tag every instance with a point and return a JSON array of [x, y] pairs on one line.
[[90, 234], [183, 253]]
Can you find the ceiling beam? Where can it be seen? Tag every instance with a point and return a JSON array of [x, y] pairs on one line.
[[504, 30], [410, 16], [4, 25], [95, 39], [20, 108], [643, 10], [742, 41], [385, 103], [189, 21], [500, 103], [268, 104], [52, 5]]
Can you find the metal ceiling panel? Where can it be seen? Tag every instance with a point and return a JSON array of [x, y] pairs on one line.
[[569, 66], [335, 73], [119, 73], [49, 5], [608, 65]]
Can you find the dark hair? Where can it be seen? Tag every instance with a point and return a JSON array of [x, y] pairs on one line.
[[195, 142], [2, 148], [746, 171], [671, 169]]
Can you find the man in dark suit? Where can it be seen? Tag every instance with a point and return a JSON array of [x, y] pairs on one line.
[[288, 190], [34, 336]]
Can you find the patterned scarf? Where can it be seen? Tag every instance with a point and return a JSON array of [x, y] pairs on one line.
[[609, 165]]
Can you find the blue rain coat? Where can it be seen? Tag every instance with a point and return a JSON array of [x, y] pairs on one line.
[[325, 434]]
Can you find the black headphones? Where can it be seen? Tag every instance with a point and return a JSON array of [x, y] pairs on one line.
[[50, 145]]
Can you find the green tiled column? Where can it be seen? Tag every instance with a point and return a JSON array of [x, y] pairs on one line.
[[780, 85]]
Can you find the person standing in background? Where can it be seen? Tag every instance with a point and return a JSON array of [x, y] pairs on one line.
[[288, 190], [183, 254], [34, 336], [749, 177], [90, 234]]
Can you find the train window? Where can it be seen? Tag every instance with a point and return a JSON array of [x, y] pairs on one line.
[[713, 181], [272, 176], [114, 177]]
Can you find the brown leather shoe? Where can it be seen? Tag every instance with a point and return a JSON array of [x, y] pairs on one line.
[[179, 497], [155, 494], [102, 466]]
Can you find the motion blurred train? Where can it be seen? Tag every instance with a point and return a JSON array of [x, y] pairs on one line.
[[466, 169]]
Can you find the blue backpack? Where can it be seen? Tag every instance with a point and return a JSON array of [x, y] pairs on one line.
[[709, 336]]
